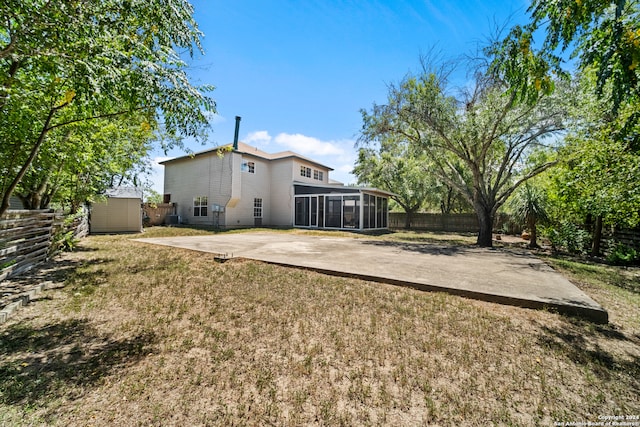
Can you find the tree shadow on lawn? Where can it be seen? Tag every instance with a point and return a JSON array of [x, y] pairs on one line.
[[56, 273], [55, 270], [38, 364], [446, 247], [600, 347]]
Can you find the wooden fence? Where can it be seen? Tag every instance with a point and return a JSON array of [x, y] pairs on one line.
[[24, 240], [156, 213], [627, 237], [461, 223]]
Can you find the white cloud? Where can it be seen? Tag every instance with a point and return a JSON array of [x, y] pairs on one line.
[[258, 137], [310, 146], [214, 118]]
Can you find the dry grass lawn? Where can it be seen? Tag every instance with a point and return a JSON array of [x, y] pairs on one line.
[[146, 335]]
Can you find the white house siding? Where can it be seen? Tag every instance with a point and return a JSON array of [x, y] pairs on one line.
[[236, 179], [297, 176], [207, 175], [239, 213], [226, 182], [283, 173], [282, 176]]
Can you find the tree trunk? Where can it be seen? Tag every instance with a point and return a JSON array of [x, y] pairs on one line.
[[533, 233], [35, 198], [597, 236], [4, 205], [407, 219], [29, 201], [485, 222]]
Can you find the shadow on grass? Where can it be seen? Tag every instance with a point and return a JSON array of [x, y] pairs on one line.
[[581, 345], [45, 363], [53, 270], [54, 273], [72, 274], [594, 269]]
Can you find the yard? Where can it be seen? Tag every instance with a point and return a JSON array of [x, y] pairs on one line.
[[141, 335]]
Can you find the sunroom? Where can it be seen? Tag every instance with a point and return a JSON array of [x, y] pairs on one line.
[[340, 207]]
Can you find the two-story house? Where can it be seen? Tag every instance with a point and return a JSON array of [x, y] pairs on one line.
[[238, 185]]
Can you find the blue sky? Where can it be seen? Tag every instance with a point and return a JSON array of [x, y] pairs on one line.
[[298, 72]]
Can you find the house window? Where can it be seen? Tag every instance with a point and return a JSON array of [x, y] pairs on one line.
[[257, 208], [248, 167], [305, 171], [302, 211], [200, 206], [319, 175]]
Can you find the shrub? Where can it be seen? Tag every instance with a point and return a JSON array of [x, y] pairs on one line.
[[568, 237], [623, 255]]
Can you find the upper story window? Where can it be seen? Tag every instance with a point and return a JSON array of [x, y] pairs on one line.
[[200, 206], [305, 171], [248, 167], [319, 175]]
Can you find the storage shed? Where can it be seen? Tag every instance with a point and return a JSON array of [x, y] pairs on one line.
[[120, 212]]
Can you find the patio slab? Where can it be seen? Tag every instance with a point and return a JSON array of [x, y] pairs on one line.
[[505, 276]]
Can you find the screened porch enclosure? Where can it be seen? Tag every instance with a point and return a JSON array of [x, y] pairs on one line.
[[360, 211]]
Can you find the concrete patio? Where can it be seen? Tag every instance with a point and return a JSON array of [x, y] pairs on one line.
[[505, 276]]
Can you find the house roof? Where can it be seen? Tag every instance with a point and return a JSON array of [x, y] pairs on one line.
[[251, 151], [337, 186]]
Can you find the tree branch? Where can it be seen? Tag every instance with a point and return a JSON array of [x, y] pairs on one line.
[[32, 155], [99, 116]]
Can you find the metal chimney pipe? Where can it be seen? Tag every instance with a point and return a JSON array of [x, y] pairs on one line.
[[235, 136]]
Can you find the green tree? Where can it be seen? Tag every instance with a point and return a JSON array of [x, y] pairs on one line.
[[83, 159], [63, 63], [528, 204], [601, 35], [596, 184], [400, 168], [485, 130], [152, 197], [397, 168]]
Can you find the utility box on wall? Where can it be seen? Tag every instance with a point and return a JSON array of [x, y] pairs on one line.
[[120, 212]]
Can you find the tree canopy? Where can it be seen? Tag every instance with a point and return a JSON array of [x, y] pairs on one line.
[[81, 160], [479, 141], [600, 170], [64, 63], [603, 36], [405, 170]]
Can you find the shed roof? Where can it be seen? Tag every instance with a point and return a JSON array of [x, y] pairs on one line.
[[124, 193]]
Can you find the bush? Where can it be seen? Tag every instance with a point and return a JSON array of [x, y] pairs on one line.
[[63, 237], [568, 237], [623, 255]]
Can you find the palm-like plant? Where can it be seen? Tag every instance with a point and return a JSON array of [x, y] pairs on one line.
[[528, 205]]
